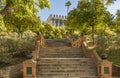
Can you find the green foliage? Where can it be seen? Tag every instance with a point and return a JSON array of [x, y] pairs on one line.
[[28, 3], [108, 2], [21, 15], [87, 14], [44, 3], [2, 27], [118, 21], [21, 24], [17, 45], [109, 45], [5, 59], [68, 4], [13, 51], [102, 29], [48, 31], [59, 32], [51, 32]]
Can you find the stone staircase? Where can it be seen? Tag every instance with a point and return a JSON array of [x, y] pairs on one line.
[[59, 60], [61, 52]]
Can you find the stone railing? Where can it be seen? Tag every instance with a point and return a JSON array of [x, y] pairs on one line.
[[91, 54], [36, 53], [29, 66], [104, 67], [116, 70]]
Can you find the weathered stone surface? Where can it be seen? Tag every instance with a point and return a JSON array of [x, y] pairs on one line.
[[14, 71], [116, 70], [60, 60]]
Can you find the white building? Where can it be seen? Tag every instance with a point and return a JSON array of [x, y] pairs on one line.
[[56, 20]]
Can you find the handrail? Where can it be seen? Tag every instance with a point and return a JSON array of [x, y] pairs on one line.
[[101, 64], [97, 60], [91, 54], [36, 53], [38, 49]]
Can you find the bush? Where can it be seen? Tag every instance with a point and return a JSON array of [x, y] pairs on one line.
[[13, 51], [17, 45], [111, 46]]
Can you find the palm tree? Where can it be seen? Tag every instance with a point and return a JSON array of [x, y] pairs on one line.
[[68, 4]]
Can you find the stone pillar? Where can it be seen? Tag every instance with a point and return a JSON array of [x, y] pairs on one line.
[[63, 22], [54, 22], [36, 53], [106, 69], [29, 69], [58, 22]]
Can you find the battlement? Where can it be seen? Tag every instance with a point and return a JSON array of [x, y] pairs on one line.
[[58, 16], [56, 20]]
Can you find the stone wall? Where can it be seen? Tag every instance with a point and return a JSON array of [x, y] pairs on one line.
[[116, 70], [14, 71], [56, 20], [5, 73]]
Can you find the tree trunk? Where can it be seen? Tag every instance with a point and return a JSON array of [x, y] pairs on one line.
[[104, 31], [93, 34], [3, 12], [67, 9]]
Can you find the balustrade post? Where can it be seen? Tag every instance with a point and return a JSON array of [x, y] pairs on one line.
[[29, 69], [38, 50], [105, 69]]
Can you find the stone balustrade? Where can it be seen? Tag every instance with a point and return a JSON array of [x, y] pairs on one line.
[[29, 66], [104, 66]]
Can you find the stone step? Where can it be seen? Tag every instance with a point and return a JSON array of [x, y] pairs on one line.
[[80, 72], [39, 76], [67, 74], [73, 67], [50, 67], [61, 56], [59, 60], [41, 52], [65, 61], [56, 43], [62, 48], [60, 52]]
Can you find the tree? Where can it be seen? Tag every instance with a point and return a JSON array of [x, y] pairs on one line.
[[21, 15], [49, 31], [2, 26], [27, 4], [68, 4], [87, 14], [118, 21], [108, 2]]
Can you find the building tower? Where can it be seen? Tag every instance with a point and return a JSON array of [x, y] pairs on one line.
[[56, 20]]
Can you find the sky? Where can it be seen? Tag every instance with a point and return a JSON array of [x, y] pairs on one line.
[[58, 7]]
